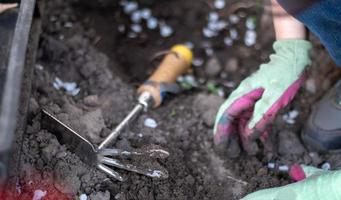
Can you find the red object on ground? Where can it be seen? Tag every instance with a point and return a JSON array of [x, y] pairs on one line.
[[25, 190], [296, 172]]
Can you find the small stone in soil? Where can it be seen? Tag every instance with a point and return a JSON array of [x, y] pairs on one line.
[[68, 25], [120, 196], [93, 123], [189, 44], [242, 14], [219, 4], [66, 181], [283, 168], [165, 30], [310, 86], [271, 165], [213, 67], [208, 106], [137, 28], [180, 79], [289, 144], [83, 197], [136, 16], [91, 100], [132, 35], [250, 23], [293, 114], [33, 106], [130, 7], [191, 80], [152, 23], [197, 62], [213, 16], [69, 87], [229, 84], [221, 92], [151, 123], [216, 26], [209, 33], [57, 83], [53, 19], [100, 196], [209, 51], [201, 80], [326, 166], [39, 194], [315, 158], [231, 65], [234, 19], [39, 67], [48, 152], [223, 75], [121, 28], [228, 41], [146, 13], [290, 117], [233, 34], [250, 37]]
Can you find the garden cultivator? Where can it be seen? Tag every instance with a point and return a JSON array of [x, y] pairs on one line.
[[151, 93]]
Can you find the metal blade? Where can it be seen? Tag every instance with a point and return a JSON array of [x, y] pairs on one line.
[[72, 140]]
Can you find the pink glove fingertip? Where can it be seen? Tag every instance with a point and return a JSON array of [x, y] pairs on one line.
[[296, 172]]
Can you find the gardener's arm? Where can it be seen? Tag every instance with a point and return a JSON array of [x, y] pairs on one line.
[[7, 6], [252, 107], [286, 26]]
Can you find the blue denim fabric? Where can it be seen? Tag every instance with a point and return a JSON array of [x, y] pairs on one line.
[[323, 18]]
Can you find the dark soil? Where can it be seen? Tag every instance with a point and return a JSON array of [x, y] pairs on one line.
[[108, 65]]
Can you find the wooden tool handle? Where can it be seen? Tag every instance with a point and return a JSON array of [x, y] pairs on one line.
[[173, 65]]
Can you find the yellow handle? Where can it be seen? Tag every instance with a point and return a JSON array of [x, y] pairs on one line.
[[173, 65]]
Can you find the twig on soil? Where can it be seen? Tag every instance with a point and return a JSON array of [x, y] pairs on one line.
[[209, 4], [97, 40], [239, 5], [237, 180]]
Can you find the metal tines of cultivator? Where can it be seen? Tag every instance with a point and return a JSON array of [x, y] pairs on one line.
[[142, 161], [109, 157]]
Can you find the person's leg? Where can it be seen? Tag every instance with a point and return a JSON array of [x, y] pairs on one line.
[[322, 131]]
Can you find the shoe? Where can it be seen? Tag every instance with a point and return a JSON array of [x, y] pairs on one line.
[[322, 132]]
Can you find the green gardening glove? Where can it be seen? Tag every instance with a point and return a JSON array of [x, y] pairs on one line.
[[318, 185], [253, 105]]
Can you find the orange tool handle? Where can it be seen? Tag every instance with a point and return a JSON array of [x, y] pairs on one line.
[[173, 65]]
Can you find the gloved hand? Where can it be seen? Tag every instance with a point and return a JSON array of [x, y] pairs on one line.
[[6, 6], [253, 105], [318, 185]]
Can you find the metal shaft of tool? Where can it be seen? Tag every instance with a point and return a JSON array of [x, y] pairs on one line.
[[144, 100], [113, 135]]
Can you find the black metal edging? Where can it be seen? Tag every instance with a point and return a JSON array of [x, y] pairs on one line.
[[11, 94]]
